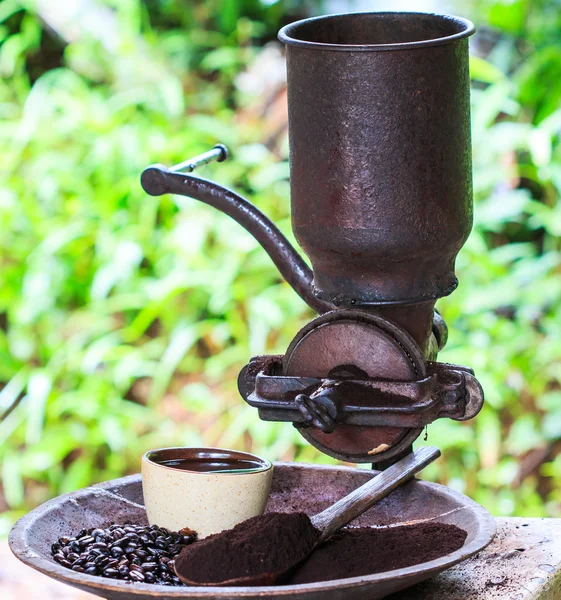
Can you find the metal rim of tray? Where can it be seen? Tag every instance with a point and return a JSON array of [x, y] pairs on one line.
[[23, 551]]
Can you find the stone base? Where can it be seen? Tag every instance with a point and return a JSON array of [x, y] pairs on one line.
[[522, 563]]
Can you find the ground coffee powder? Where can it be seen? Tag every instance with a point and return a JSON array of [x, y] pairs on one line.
[[269, 543], [364, 551]]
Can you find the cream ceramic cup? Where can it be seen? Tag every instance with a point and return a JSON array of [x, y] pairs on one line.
[[195, 494]]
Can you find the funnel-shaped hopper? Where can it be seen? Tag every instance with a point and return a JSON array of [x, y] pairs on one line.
[[380, 152]]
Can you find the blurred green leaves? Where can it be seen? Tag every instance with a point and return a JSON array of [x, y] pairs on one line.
[[505, 316], [124, 318]]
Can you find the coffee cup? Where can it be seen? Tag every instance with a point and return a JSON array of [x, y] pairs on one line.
[[205, 489]]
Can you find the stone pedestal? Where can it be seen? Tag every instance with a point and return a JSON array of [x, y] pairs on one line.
[[522, 563]]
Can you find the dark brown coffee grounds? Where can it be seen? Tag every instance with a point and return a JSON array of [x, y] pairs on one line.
[[361, 551], [270, 543]]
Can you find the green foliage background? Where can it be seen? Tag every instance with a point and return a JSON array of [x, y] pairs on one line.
[[124, 318]]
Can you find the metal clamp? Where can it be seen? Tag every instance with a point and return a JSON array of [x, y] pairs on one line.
[[448, 391]]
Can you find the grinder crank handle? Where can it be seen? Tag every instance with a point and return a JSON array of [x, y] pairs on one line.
[[157, 180], [374, 490]]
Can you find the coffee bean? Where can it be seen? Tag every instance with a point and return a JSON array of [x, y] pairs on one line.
[[110, 572], [101, 560], [97, 532], [91, 571], [72, 557], [85, 540], [136, 576], [100, 546], [78, 568]]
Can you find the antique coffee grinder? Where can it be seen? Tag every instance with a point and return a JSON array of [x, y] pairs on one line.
[[381, 200]]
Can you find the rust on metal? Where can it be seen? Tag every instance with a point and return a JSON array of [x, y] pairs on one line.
[[380, 153], [326, 383]]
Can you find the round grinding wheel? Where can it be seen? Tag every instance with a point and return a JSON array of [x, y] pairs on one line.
[[343, 343]]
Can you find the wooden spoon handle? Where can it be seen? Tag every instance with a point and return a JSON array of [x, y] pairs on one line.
[[364, 497]]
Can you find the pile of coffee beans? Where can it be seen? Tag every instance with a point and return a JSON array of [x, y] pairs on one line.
[[128, 552]]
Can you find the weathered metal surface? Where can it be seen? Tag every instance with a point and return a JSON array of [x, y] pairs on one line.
[[295, 487], [380, 152], [343, 343], [343, 369], [370, 402], [157, 180]]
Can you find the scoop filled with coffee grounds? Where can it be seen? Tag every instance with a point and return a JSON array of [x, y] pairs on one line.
[[360, 551], [264, 550], [257, 549]]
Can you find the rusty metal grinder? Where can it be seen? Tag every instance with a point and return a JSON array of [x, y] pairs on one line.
[[381, 202]]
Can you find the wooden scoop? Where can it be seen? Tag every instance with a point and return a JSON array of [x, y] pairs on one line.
[[342, 512], [360, 500]]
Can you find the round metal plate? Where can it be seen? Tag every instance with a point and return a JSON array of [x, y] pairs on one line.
[[346, 340], [295, 487]]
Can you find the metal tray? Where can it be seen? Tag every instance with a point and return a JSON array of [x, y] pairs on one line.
[[295, 487]]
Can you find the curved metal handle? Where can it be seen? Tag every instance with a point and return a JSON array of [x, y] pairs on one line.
[[157, 180]]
